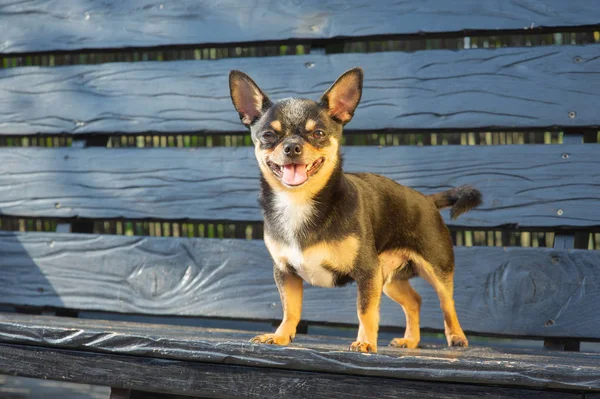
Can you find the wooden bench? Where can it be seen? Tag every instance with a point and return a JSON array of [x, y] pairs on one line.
[[173, 315]]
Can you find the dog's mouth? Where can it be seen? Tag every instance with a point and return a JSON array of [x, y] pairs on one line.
[[295, 174]]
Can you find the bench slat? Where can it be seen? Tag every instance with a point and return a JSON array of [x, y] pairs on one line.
[[227, 381], [530, 185], [513, 292], [43, 25], [512, 88], [524, 368]]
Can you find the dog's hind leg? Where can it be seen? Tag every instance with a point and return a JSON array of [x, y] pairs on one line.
[[441, 279], [400, 291]]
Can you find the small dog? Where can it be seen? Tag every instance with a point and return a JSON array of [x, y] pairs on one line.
[[329, 228]]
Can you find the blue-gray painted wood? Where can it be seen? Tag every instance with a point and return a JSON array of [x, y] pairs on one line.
[[529, 292], [44, 25], [306, 373], [512, 88], [525, 368], [529, 185]]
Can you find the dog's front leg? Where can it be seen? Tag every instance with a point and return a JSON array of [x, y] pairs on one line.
[[290, 291], [368, 300]]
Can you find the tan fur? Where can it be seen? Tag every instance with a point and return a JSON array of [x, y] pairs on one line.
[[290, 291], [393, 261], [343, 93], [366, 340], [262, 156], [404, 294], [293, 209], [337, 255], [310, 125], [276, 125], [444, 289], [315, 183], [244, 92], [401, 292]]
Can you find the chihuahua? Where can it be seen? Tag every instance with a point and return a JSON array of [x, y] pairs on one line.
[[329, 228]]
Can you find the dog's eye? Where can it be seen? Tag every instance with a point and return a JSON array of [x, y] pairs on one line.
[[268, 137], [319, 134]]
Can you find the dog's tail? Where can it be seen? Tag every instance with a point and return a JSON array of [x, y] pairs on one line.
[[461, 199]]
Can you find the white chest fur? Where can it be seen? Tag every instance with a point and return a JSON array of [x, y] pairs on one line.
[[293, 214], [307, 265], [316, 264], [294, 217]]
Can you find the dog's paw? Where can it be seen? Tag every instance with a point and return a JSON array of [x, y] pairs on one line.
[[457, 341], [361, 346], [404, 343], [271, 339]]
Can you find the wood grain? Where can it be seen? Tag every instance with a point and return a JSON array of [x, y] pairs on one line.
[[44, 25], [12, 387], [233, 381], [512, 88], [524, 186], [511, 292]]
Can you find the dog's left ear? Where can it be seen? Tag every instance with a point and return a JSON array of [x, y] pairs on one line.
[[248, 99], [342, 98]]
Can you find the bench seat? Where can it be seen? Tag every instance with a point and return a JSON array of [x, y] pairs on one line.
[[433, 71], [201, 361]]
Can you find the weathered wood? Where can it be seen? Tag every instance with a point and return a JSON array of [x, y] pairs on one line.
[[12, 387], [44, 25], [511, 292], [154, 395], [230, 382], [531, 369], [443, 391], [511, 88], [563, 241], [530, 186], [120, 393]]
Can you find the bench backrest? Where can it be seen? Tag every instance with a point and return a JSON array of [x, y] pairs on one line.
[[540, 90]]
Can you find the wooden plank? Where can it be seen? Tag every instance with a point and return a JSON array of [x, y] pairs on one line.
[[563, 241], [29, 388], [511, 88], [120, 393], [43, 25], [230, 382], [530, 186], [530, 292], [531, 369]]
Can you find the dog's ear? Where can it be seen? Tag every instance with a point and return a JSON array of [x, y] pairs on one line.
[[248, 99], [342, 98]]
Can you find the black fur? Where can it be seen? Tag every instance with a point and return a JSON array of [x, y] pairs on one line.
[[383, 216], [461, 199]]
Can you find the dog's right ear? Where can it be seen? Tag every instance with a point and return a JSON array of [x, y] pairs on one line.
[[248, 99], [342, 98]]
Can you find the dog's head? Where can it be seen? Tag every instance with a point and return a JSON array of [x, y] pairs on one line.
[[297, 140]]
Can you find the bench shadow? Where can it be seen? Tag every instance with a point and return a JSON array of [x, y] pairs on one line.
[[23, 284]]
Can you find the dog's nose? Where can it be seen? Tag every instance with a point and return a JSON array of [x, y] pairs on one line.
[[292, 149]]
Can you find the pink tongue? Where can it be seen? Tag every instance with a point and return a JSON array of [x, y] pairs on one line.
[[294, 174]]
